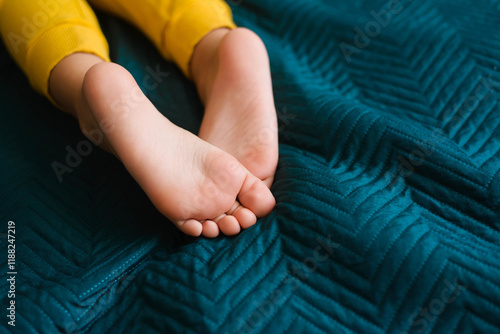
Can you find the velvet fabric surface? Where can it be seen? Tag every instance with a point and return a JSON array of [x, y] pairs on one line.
[[388, 187]]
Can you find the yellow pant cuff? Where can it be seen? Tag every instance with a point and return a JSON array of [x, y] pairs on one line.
[[189, 25], [53, 45]]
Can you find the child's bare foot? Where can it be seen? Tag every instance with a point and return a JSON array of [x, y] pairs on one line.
[[231, 70], [191, 182]]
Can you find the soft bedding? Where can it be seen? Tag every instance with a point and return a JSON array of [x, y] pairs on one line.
[[388, 187]]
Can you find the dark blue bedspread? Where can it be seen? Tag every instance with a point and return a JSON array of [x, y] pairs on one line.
[[388, 187]]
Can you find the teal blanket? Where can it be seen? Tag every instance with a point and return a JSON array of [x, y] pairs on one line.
[[388, 187]]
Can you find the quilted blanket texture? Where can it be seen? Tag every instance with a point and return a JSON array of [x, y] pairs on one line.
[[388, 187]]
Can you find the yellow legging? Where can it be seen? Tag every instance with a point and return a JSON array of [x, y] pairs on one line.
[[40, 33]]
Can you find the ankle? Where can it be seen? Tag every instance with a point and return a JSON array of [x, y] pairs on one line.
[[66, 80], [205, 61]]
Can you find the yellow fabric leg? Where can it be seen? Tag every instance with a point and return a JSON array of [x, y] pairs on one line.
[[40, 33], [174, 26]]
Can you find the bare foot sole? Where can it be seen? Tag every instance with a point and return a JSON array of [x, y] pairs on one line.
[[196, 185], [240, 117]]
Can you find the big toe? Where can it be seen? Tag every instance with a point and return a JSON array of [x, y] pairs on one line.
[[256, 196]]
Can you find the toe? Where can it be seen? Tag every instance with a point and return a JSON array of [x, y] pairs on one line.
[[256, 196], [245, 217], [191, 227], [229, 225], [210, 229]]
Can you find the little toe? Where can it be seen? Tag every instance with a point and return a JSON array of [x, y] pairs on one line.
[[191, 227], [210, 229]]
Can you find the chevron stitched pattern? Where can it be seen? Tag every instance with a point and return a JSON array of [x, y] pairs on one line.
[[388, 187]]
